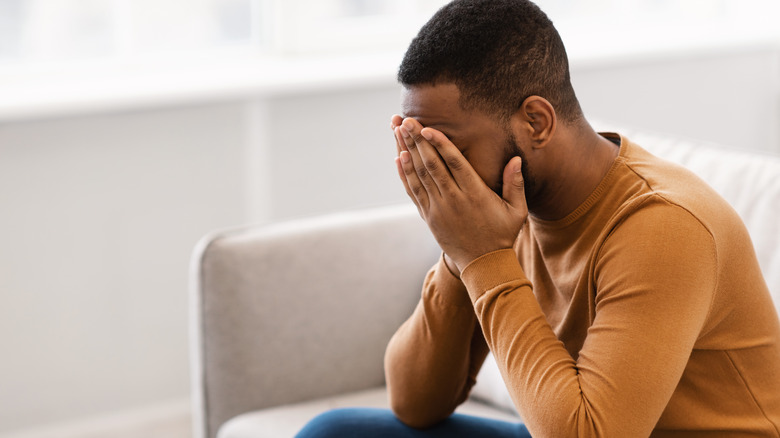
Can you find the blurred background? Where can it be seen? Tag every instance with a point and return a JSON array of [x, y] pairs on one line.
[[131, 128]]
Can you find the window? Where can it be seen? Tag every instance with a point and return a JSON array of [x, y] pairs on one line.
[[46, 31], [304, 26], [56, 30]]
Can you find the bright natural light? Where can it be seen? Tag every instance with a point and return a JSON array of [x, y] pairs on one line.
[[56, 30], [60, 55]]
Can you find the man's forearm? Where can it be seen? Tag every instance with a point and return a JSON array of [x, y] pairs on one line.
[[433, 358]]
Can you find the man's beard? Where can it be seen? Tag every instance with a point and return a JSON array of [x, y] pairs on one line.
[[511, 150]]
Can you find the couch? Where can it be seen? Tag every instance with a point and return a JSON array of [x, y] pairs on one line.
[[291, 319]]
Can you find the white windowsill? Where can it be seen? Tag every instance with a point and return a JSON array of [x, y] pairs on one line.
[[116, 86]]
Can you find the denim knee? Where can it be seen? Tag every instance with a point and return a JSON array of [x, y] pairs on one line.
[[382, 423], [341, 423]]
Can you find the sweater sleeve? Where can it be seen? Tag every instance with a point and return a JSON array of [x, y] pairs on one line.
[[432, 361], [654, 279]]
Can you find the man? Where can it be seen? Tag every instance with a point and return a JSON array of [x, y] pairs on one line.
[[620, 296]]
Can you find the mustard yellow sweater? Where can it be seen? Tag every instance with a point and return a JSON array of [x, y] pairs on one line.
[[642, 313]]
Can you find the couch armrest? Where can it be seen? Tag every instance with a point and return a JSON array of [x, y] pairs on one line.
[[300, 310]]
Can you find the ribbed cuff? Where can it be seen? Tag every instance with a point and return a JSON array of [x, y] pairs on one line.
[[491, 270]]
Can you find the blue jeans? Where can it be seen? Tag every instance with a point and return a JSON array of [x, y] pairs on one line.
[[382, 423]]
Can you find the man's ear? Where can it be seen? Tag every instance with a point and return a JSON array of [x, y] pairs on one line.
[[535, 120]]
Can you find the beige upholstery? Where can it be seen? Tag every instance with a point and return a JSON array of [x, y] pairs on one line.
[[296, 316], [302, 310]]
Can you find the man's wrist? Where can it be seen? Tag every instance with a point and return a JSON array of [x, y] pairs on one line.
[[451, 266]]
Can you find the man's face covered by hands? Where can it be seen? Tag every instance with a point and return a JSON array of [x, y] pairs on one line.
[[484, 141], [462, 170]]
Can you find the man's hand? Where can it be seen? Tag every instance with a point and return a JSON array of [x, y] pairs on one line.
[[467, 218]]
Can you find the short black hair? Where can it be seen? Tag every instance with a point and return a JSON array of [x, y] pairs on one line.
[[497, 52]]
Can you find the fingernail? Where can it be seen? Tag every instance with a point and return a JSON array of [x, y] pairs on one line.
[[427, 134], [404, 157], [404, 131]]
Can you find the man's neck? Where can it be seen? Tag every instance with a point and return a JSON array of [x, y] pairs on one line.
[[578, 164]]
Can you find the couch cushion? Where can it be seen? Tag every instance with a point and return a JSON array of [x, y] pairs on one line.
[[286, 421]]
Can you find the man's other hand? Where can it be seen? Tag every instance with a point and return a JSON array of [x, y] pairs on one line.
[[467, 219]]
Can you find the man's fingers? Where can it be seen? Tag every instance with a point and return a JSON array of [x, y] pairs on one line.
[[411, 179], [401, 174], [395, 122], [514, 185], [399, 167], [456, 164], [410, 132], [399, 141]]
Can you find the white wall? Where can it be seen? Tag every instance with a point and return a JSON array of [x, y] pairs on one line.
[[100, 212], [323, 152], [729, 97]]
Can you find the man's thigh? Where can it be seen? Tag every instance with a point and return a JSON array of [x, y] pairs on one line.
[[381, 423]]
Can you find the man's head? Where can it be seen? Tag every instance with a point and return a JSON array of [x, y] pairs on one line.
[[497, 52], [493, 76]]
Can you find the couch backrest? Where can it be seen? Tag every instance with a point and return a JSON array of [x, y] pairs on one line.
[[300, 310]]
